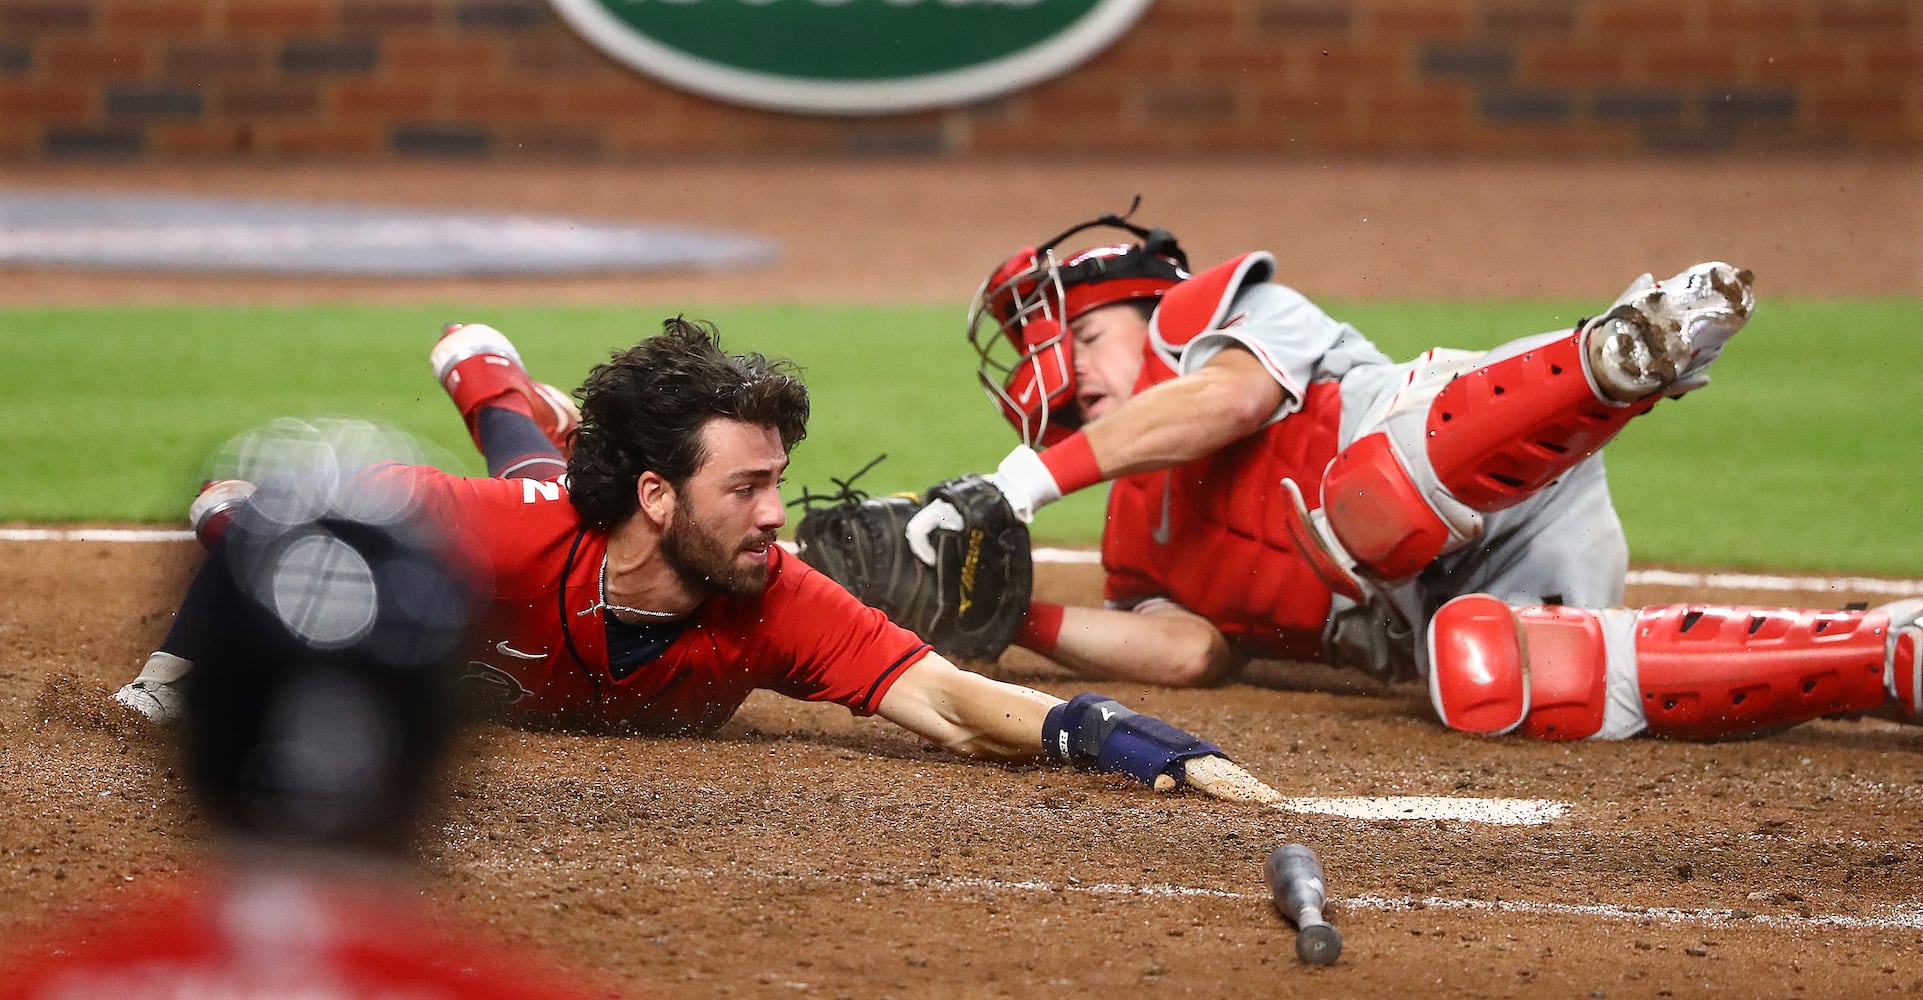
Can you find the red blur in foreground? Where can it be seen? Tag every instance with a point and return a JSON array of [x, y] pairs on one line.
[[260, 934]]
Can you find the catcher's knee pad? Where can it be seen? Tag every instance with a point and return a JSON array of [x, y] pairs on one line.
[[1542, 672], [1417, 486], [1713, 672], [1389, 517]]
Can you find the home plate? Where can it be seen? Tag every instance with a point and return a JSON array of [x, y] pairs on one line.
[[1505, 812]]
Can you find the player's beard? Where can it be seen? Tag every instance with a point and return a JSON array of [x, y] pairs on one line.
[[706, 562]]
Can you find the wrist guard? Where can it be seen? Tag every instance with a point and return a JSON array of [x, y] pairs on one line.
[[1091, 730]]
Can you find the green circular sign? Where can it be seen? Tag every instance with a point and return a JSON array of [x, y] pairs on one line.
[[851, 56]]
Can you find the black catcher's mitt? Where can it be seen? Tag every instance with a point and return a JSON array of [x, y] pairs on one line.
[[969, 605]]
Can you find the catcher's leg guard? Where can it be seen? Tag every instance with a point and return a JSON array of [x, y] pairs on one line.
[[1417, 486], [1906, 659], [1709, 672], [1495, 433], [1699, 672]]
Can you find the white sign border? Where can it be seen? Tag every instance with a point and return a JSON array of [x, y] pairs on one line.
[[898, 95]]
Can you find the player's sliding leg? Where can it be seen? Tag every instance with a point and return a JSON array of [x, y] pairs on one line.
[[514, 446], [1463, 440], [1686, 671], [523, 428], [153, 693]]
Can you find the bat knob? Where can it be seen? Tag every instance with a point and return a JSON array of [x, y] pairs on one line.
[[1318, 944]]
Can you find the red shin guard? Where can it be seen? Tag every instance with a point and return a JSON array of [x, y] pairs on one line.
[[1710, 672], [1501, 432], [1494, 435]]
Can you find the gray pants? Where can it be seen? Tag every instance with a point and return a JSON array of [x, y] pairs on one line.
[[1564, 545]]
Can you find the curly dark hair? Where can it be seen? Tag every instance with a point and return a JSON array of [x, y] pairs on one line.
[[645, 407]]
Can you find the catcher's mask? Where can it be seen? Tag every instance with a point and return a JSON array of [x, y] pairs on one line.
[[1019, 321]]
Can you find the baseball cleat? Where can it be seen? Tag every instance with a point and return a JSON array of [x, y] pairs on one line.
[[475, 362], [460, 341], [157, 700], [215, 506], [1659, 336], [152, 693]]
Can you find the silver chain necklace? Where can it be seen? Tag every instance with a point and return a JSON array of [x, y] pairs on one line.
[[603, 604]]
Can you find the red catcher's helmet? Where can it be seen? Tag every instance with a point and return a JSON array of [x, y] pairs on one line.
[[1019, 321]]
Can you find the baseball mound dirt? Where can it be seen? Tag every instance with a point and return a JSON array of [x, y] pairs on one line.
[[803, 853]]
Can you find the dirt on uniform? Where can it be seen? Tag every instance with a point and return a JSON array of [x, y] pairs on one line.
[[804, 853]]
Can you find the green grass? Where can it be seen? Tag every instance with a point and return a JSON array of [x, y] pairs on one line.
[[1800, 456]]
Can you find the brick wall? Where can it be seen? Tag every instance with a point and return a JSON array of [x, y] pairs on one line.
[[377, 79]]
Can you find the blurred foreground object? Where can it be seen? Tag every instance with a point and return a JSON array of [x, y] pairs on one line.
[[316, 717]]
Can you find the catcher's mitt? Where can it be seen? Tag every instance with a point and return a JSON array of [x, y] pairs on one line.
[[969, 605]]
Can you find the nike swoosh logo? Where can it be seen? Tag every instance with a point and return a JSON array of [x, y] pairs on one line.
[[1161, 532], [1107, 713], [506, 650]]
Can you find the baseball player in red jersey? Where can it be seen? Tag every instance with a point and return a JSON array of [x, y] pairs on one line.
[[644, 589], [1279, 487]]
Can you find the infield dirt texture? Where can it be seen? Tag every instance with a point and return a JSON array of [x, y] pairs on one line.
[[805, 854]]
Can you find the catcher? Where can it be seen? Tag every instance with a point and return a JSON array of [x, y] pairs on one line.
[[1279, 487], [643, 591]]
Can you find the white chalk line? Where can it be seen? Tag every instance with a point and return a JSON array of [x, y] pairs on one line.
[[1908, 915], [1637, 577], [1899, 917], [93, 535]]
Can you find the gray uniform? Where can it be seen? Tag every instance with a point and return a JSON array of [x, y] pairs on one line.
[[1563, 545]]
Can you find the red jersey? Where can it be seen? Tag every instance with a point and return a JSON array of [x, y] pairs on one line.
[[543, 638], [268, 934], [1213, 534]]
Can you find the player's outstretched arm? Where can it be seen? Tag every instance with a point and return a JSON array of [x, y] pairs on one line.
[[1227, 399], [1187, 418], [966, 712], [980, 717]]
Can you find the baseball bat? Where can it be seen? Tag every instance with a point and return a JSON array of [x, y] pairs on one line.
[[1295, 882]]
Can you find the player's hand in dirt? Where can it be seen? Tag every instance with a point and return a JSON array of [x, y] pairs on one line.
[[1222, 778], [1100, 733]]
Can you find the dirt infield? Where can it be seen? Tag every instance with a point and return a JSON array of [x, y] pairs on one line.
[[802, 853]]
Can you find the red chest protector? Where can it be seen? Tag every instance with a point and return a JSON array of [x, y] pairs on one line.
[[1213, 534]]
